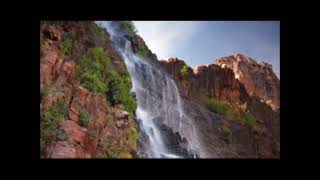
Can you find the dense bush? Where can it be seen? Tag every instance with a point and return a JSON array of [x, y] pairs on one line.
[[219, 107], [245, 116], [92, 82], [84, 117], [49, 121], [129, 26], [93, 70], [118, 92], [227, 134], [184, 70], [142, 52], [97, 75], [65, 46], [249, 119]]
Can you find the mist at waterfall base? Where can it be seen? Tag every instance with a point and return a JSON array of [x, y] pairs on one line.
[[160, 109]]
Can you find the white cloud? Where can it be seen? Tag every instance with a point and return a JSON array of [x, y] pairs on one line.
[[164, 38]]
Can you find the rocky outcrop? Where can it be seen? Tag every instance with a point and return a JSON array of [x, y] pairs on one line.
[[258, 78], [204, 81]]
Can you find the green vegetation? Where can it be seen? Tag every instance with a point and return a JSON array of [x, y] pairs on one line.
[[219, 107], [65, 46], [84, 117], [246, 117], [184, 70], [227, 134], [97, 75], [92, 70], [100, 34], [133, 137], [118, 92], [142, 52], [91, 81], [129, 26], [49, 121]]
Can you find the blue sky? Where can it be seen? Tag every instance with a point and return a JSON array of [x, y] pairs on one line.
[[201, 42]]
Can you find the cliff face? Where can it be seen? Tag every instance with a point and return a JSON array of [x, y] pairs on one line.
[[202, 81], [77, 119], [219, 82], [257, 78]]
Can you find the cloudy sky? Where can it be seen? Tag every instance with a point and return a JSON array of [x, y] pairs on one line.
[[201, 42]]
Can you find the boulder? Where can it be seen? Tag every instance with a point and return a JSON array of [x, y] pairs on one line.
[[75, 133]]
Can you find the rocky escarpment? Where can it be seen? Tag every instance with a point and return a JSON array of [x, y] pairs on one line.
[[213, 81], [258, 78], [78, 119]]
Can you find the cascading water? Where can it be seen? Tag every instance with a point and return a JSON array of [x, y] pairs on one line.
[[158, 99]]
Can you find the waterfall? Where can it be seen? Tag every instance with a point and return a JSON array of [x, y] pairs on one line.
[[159, 102]]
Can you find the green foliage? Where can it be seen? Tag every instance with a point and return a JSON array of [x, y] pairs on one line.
[[133, 137], [227, 134], [142, 52], [65, 46], [96, 75], [100, 33], [119, 92], [92, 82], [246, 117], [93, 70], [129, 26], [84, 117], [184, 70], [219, 107], [49, 121]]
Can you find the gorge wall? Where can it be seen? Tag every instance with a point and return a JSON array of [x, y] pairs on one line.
[[88, 111]]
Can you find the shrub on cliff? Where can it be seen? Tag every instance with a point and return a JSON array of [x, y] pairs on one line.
[[245, 116], [65, 46], [227, 134], [93, 70], [184, 70], [142, 52], [49, 121], [219, 107], [118, 92], [84, 117], [129, 26], [92, 82]]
